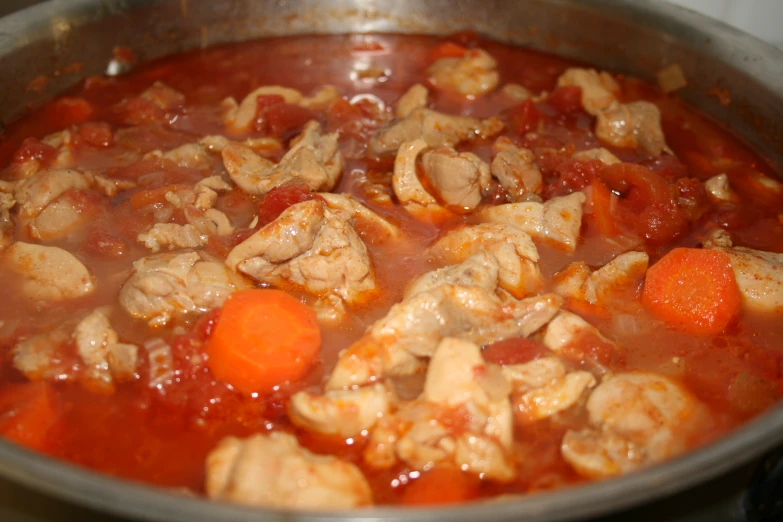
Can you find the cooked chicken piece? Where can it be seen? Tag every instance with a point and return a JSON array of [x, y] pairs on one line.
[[341, 412], [312, 247], [165, 285], [49, 273], [514, 250], [203, 221], [190, 155], [48, 206], [406, 185], [516, 170], [569, 282], [472, 75], [632, 125], [599, 90], [399, 343], [558, 395], [556, 221], [459, 383], [274, 471], [515, 92], [34, 194], [759, 274], [163, 96], [105, 358], [458, 179], [542, 387], [240, 117], [378, 229], [638, 419], [566, 329], [435, 128], [7, 202], [623, 270], [40, 357], [414, 98], [600, 154], [481, 269], [718, 187], [313, 159], [263, 146]]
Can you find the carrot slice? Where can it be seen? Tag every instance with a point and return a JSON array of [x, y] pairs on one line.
[[693, 290], [262, 339], [441, 485], [27, 412]]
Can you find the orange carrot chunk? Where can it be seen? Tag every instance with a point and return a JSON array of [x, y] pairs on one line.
[[693, 290], [602, 209], [262, 339]]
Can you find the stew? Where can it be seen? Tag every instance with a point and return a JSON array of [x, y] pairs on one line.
[[335, 271]]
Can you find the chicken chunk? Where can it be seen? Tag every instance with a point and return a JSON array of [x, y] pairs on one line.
[[163, 96], [274, 471], [313, 159], [435, 128], [759, 274], [164, 285], [104, 357], [622, 271], [600, 154], [376, 227], [458, 179], [50, 204], [516, 170], [240, 117], [406, 185], [172, 236], [513, 249], [599, 90], [7, 202], [481, 269], [637, 419], [632, 125], [312, 247], [556, 221], [472, 75], [40, 356], [414, 98], [458, 384], [558, 395], [341, 412], [49, 273], [718, 187], [399, 343], [566, 329]]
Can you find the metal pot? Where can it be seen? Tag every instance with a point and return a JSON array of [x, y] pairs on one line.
[[635, 37]]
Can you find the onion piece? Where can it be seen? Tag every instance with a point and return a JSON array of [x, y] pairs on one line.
[[671, 78]]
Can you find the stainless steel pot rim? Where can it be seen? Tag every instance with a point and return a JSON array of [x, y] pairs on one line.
[[149, 503]]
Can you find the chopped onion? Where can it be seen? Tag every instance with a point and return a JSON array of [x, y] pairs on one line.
[[671, 78], [161, 362]]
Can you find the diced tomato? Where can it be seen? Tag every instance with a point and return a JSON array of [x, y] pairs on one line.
[[340, 112], [514, 351], [280, 198], [276, 118], [27, 413], [667, 166], [571, 174], [71, 111], [95, 134], [692, 198], [220, 246], [441, 485], [32, 149], [446, 50], [152, 196], [138, 111], [523, 118], [566, 100], [601, 202], [104, 244]]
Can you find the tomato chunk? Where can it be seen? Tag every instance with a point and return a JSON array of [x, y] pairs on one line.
[[280, 198], [27, 413]]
